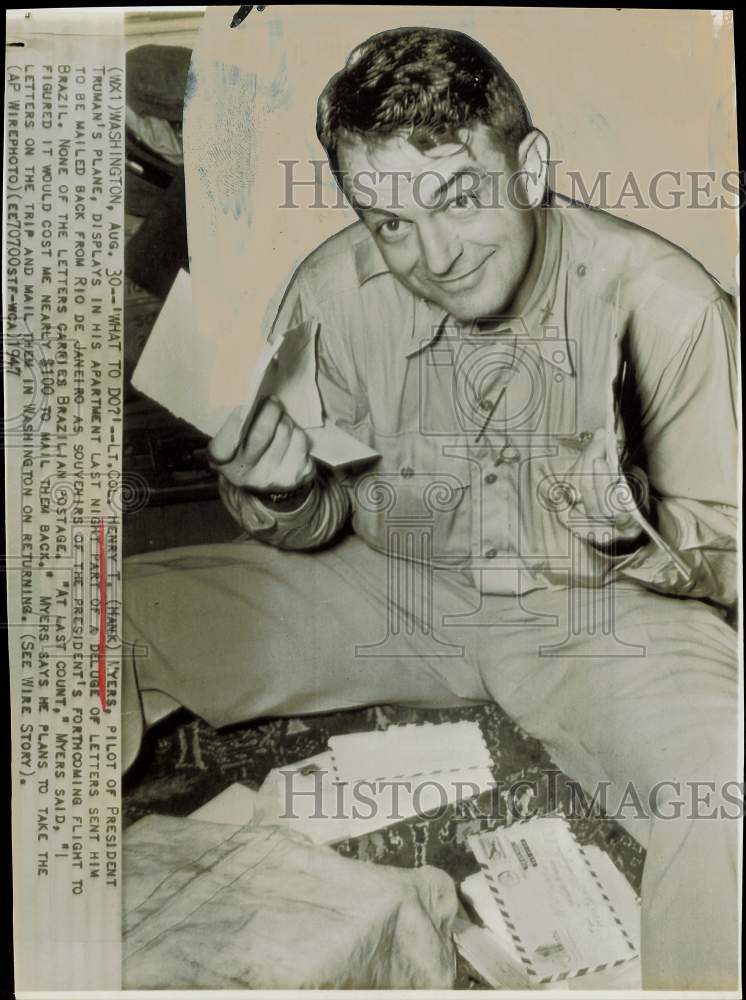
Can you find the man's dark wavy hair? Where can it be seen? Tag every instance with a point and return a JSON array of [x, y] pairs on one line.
[[427, 83]]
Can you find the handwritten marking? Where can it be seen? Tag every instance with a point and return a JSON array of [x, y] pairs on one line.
[[102, 616]]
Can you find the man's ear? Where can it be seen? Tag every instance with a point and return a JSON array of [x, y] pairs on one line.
[[533, 168]]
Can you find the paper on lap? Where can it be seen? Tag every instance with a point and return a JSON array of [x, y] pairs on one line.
[[181, 369]]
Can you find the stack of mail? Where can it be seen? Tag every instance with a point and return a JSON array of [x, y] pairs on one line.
[[367, 781], [554, 913]]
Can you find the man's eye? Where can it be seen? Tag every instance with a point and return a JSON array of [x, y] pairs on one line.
[[392, 229]]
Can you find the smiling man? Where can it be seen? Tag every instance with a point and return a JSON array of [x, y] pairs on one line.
[[438, 241], [551, 523]]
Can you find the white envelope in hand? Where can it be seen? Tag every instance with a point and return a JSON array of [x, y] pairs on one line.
[[186, 373], [286, 369]]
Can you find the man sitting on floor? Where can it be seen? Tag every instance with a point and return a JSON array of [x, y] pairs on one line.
[[469, 325]]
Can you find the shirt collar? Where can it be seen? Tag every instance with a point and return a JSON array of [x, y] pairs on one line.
[[541, 307], [369, 262]]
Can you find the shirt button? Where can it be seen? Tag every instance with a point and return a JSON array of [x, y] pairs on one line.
[[491, 553], [581, 269], [490, 478]]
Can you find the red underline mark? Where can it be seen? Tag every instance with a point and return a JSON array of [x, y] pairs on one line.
[[102, 615]]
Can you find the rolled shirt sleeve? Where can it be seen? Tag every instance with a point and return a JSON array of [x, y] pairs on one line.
[[690, 436]]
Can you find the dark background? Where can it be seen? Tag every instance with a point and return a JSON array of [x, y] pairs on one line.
[[170, 495]]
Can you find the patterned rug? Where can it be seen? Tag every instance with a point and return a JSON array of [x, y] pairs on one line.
[[185, 763]]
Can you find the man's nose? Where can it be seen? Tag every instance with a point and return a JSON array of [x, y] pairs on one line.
[[440, 247]]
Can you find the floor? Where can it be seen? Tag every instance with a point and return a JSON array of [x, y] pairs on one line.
[[185, 763]]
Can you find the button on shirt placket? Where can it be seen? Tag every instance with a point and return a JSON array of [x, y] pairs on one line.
[[496, 456], [500, 500]]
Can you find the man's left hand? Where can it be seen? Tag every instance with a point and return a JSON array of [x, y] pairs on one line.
[[603, 501]]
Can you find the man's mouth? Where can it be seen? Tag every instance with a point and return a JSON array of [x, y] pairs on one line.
[[456, 278]]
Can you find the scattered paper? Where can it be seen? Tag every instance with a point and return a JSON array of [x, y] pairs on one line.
[[477, 891], [492, 952], [403, 751], [546, 889], [498, 965], [368, 781], [234, 805], [309, 798]]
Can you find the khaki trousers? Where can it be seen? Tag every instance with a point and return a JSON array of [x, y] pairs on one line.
[[621, 685]]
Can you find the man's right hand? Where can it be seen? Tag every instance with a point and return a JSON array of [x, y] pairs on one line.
[[272, 455]]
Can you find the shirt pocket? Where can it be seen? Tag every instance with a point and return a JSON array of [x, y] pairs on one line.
[[415, 503]]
